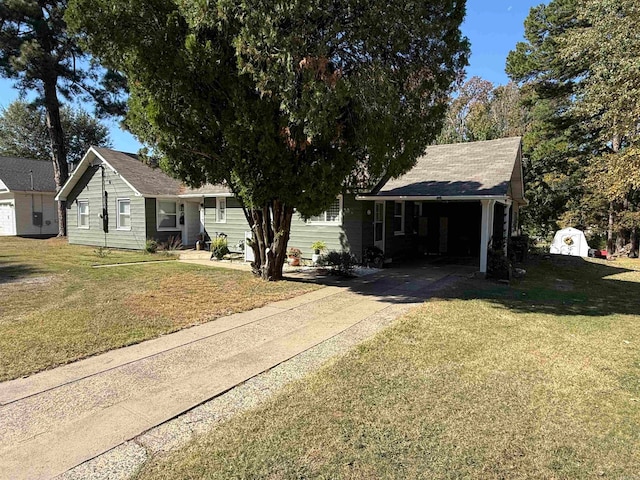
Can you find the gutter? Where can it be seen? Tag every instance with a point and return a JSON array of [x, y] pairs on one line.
[[448, 198], [29, 192]]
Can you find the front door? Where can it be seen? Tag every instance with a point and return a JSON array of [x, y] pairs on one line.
[[378, 225]]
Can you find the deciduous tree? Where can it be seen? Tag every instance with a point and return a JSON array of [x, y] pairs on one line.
[[23, 132]]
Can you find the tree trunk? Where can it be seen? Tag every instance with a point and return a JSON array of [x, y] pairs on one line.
[[271, 226], [634, 243], [58, 151], [610, 243], [621, 240]]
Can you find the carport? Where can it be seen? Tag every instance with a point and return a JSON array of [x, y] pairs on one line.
[[458, 200]]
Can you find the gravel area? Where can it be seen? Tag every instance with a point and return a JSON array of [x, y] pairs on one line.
[[123, 461]]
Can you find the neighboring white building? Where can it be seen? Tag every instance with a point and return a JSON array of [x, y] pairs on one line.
[[27, 198]]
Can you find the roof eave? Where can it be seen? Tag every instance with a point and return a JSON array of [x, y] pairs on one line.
[[28, 192], [75, 176], [206, 195], [432, 197], [80, 170]]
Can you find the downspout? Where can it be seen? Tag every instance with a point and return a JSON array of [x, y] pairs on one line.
[[105, 212]]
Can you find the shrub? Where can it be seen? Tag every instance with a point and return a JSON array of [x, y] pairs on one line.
[[519, 248], [151, 246], [341, 263], [172, 243], [373, 256], [498, 266], [219, 247]]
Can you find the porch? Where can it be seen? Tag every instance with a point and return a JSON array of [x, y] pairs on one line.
[[460, 230]]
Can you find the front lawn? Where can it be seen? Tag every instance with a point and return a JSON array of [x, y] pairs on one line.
[[56, 308], [536, 380]]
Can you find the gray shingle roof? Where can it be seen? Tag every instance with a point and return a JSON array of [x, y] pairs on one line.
[[145, 179], [15, 174], [151, 181], [462, 169]]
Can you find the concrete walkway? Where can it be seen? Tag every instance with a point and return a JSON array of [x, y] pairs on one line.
[[57, 419]]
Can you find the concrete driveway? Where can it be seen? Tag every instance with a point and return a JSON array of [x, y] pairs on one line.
[[58, 419]]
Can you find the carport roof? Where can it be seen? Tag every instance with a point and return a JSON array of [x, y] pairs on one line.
[[16, 174], [481, 169]]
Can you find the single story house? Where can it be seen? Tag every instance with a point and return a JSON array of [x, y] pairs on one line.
[[455, 201], [27, 198]]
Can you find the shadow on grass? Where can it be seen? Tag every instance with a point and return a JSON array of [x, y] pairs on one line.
[[17, 272], [559, 285], [554, 285]]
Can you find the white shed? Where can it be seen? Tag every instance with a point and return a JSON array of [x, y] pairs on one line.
[[570, 241], [27, 192]]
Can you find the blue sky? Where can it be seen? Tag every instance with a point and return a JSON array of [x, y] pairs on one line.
[[492, 26]]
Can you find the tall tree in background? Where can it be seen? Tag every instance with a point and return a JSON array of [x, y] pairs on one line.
[[24, 133], [478, 110], [282, 102], [608, 99], [556, 148], [38, 53], [579, 64]]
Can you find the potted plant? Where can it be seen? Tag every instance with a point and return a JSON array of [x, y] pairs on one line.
[[318, 247], [294, 255]]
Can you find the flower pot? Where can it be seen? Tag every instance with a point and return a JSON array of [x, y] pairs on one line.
[[294, 261], [315, 258]]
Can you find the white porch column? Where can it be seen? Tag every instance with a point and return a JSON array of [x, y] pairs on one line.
[[486, 228]]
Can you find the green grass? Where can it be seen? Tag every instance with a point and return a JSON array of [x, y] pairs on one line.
[[55, 308], [537, 380]]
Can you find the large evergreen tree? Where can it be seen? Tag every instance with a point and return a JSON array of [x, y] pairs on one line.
[[579, 65], [281, 101], [23, 132], [556, 147], [39, 54], [608, 99]]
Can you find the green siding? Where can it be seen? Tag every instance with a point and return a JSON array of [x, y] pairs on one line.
[[347, 236], [89, 187], [234, 227]]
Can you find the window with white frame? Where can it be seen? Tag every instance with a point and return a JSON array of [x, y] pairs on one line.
[[398, 218], [167, 215], [83, 214], [123, 217], [221, 210], [332, 215]]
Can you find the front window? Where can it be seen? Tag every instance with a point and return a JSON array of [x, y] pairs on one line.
[[221, 210], [398, 218], [332, 215], [123, 220], [167, 215], [83, 214]]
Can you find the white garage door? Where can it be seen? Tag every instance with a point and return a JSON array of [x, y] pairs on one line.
[[7, 219]]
